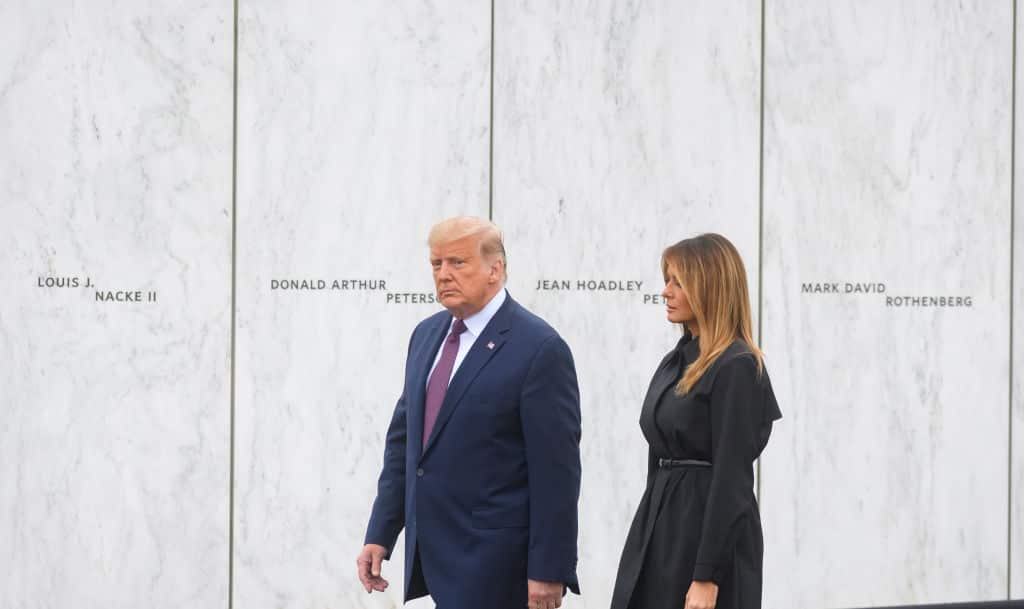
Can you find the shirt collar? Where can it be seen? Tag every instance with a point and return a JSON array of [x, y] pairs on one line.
[[476, 322]]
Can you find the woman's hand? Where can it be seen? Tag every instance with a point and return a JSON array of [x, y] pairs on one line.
[[701, 595]]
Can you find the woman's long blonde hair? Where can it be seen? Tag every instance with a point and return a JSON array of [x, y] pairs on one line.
[[711, 273]]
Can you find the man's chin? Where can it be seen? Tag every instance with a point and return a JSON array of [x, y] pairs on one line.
[[452, 303]]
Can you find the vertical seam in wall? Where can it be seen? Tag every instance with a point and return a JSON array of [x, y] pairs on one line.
[[490, 131], [234, 291], [1013, 201], [760, 217]]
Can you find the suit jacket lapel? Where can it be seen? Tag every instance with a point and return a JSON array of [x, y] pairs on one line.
[[664, 377], [667, 374], [484, 348], [661, 381]]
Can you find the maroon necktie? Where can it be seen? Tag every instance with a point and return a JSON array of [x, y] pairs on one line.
[[437, 386]]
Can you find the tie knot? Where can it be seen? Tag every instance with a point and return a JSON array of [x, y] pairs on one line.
[[458, 327]]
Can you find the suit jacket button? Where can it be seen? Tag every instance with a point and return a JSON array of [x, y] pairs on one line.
[[419, 472]]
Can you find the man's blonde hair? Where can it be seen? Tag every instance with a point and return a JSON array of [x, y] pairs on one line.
[[492, 245]]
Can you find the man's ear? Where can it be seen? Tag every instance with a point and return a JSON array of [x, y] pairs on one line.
[[496, 270]]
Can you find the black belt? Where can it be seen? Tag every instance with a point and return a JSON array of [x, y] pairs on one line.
[[673, 463]]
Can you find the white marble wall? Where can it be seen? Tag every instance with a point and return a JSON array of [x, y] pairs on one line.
[[1016, 559], [360, 125], [887, 160], [619, 128], [115, 169]]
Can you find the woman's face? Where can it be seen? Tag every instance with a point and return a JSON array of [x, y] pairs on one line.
[[677, 307]]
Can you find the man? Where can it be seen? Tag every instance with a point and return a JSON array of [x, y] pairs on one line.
[[481, 462]]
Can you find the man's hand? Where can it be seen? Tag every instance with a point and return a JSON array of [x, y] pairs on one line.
[[544, 595], [702, 595], [368, 566]]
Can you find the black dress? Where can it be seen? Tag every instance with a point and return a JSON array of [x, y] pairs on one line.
[[698, 519]]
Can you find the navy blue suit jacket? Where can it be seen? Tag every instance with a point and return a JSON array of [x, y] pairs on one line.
[[491, 500]]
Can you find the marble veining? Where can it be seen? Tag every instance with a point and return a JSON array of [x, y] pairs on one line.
[[360, 126], [115, 178], [1016, 567], [620, 128], [887, 150]]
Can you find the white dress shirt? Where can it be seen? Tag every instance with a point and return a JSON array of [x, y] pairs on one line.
[[475, 325]]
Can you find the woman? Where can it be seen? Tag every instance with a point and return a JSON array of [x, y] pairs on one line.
[[695, 542]]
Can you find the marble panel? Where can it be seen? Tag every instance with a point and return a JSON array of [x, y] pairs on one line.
[[620, 128], [1016, 559], [361, 124], [115, 174], [886, 301]]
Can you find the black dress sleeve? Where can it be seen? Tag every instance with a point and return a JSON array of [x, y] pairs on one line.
[[741, 405]]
